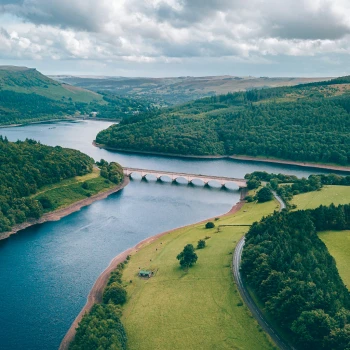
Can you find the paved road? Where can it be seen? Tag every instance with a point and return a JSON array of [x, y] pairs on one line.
[[246, 296]]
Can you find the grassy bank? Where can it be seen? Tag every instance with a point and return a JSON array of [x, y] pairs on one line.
[[200, 309], [72, 190]]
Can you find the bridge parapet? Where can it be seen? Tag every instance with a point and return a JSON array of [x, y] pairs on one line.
[[242, 183]]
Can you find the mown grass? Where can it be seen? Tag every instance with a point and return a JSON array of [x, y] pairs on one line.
[[198, 309], [71, 190], [326, 196], [338, 244]]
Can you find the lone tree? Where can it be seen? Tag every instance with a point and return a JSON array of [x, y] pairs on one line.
[[264, 195], [187, 257], [209, 224], [201, 244]]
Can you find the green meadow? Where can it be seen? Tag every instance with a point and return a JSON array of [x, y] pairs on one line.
[[71, 190], [338, 244], [326, 196], [198, 309]]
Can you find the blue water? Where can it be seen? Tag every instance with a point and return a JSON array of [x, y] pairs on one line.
[[48, 270]]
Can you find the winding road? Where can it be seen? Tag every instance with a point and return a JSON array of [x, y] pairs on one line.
[[264, 324]]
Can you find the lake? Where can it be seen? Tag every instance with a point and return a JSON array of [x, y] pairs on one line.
[[48, 270]]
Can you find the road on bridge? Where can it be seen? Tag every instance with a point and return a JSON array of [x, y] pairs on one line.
[[264, 324]]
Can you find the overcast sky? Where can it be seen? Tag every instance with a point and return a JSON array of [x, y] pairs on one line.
[[177, 37]]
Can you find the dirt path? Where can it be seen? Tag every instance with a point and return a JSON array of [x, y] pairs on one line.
[[60, 213], [95, 295]]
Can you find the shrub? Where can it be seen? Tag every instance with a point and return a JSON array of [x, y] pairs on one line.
[[85, 185], [114, 293], [209, 224], [45, 202], [249, 199], [201, 244]]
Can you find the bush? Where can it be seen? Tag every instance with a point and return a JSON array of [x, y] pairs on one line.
[[114, 293], [85, 185], [209, 224], [201, 244], [264, 195], [45, 202], [249, 199]]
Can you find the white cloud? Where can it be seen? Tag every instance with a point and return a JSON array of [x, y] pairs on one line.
[[149, 31]]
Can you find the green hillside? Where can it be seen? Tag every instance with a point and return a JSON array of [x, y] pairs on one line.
[[28, 80], [308, 123], [27, 95]]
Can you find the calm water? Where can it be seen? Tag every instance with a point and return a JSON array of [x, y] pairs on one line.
[[47, 271]]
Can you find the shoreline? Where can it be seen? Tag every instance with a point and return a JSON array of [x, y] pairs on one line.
[[234, 157], [95, 294], [60, 213]]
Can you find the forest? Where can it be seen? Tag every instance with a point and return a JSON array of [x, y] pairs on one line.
[[303, 123], [27, 166], [291, 271]]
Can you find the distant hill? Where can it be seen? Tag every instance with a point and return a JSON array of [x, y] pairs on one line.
[[172, 91], [26, 95], [309, 123]]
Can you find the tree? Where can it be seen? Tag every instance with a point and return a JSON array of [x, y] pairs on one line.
[[187, 257], [201, 244], [209, 224], [264, 195], [114, 293], [253, 183]]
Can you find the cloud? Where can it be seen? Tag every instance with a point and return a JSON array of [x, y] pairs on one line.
[[172, 30]]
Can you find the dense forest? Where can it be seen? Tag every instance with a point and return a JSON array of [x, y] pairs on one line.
[[291, 271], [304, 123], [27, 166]]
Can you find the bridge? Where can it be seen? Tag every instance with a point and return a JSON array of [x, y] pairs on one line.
[[174, 176]]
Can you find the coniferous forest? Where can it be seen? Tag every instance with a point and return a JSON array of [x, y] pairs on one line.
[[291, 271], [27, 166]]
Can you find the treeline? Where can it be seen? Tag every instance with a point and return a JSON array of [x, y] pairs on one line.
[[292, 273], [101, 328], [18, 107], [298, 124], [27, 166], [288, 186]]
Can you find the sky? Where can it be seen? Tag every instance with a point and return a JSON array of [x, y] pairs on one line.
[[158, 38]]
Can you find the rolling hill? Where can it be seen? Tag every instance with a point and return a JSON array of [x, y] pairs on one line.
[[26, 95], [172, 91], [309, 123]]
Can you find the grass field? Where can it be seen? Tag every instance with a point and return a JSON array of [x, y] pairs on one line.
[[338, 244], [200, 309], [70, 191], [327, 196]]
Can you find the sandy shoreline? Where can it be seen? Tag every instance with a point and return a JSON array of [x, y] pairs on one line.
[[95, 295], [60, 213], [235, 157]]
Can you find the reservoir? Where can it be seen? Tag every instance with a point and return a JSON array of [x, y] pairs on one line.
[[48, 270]]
